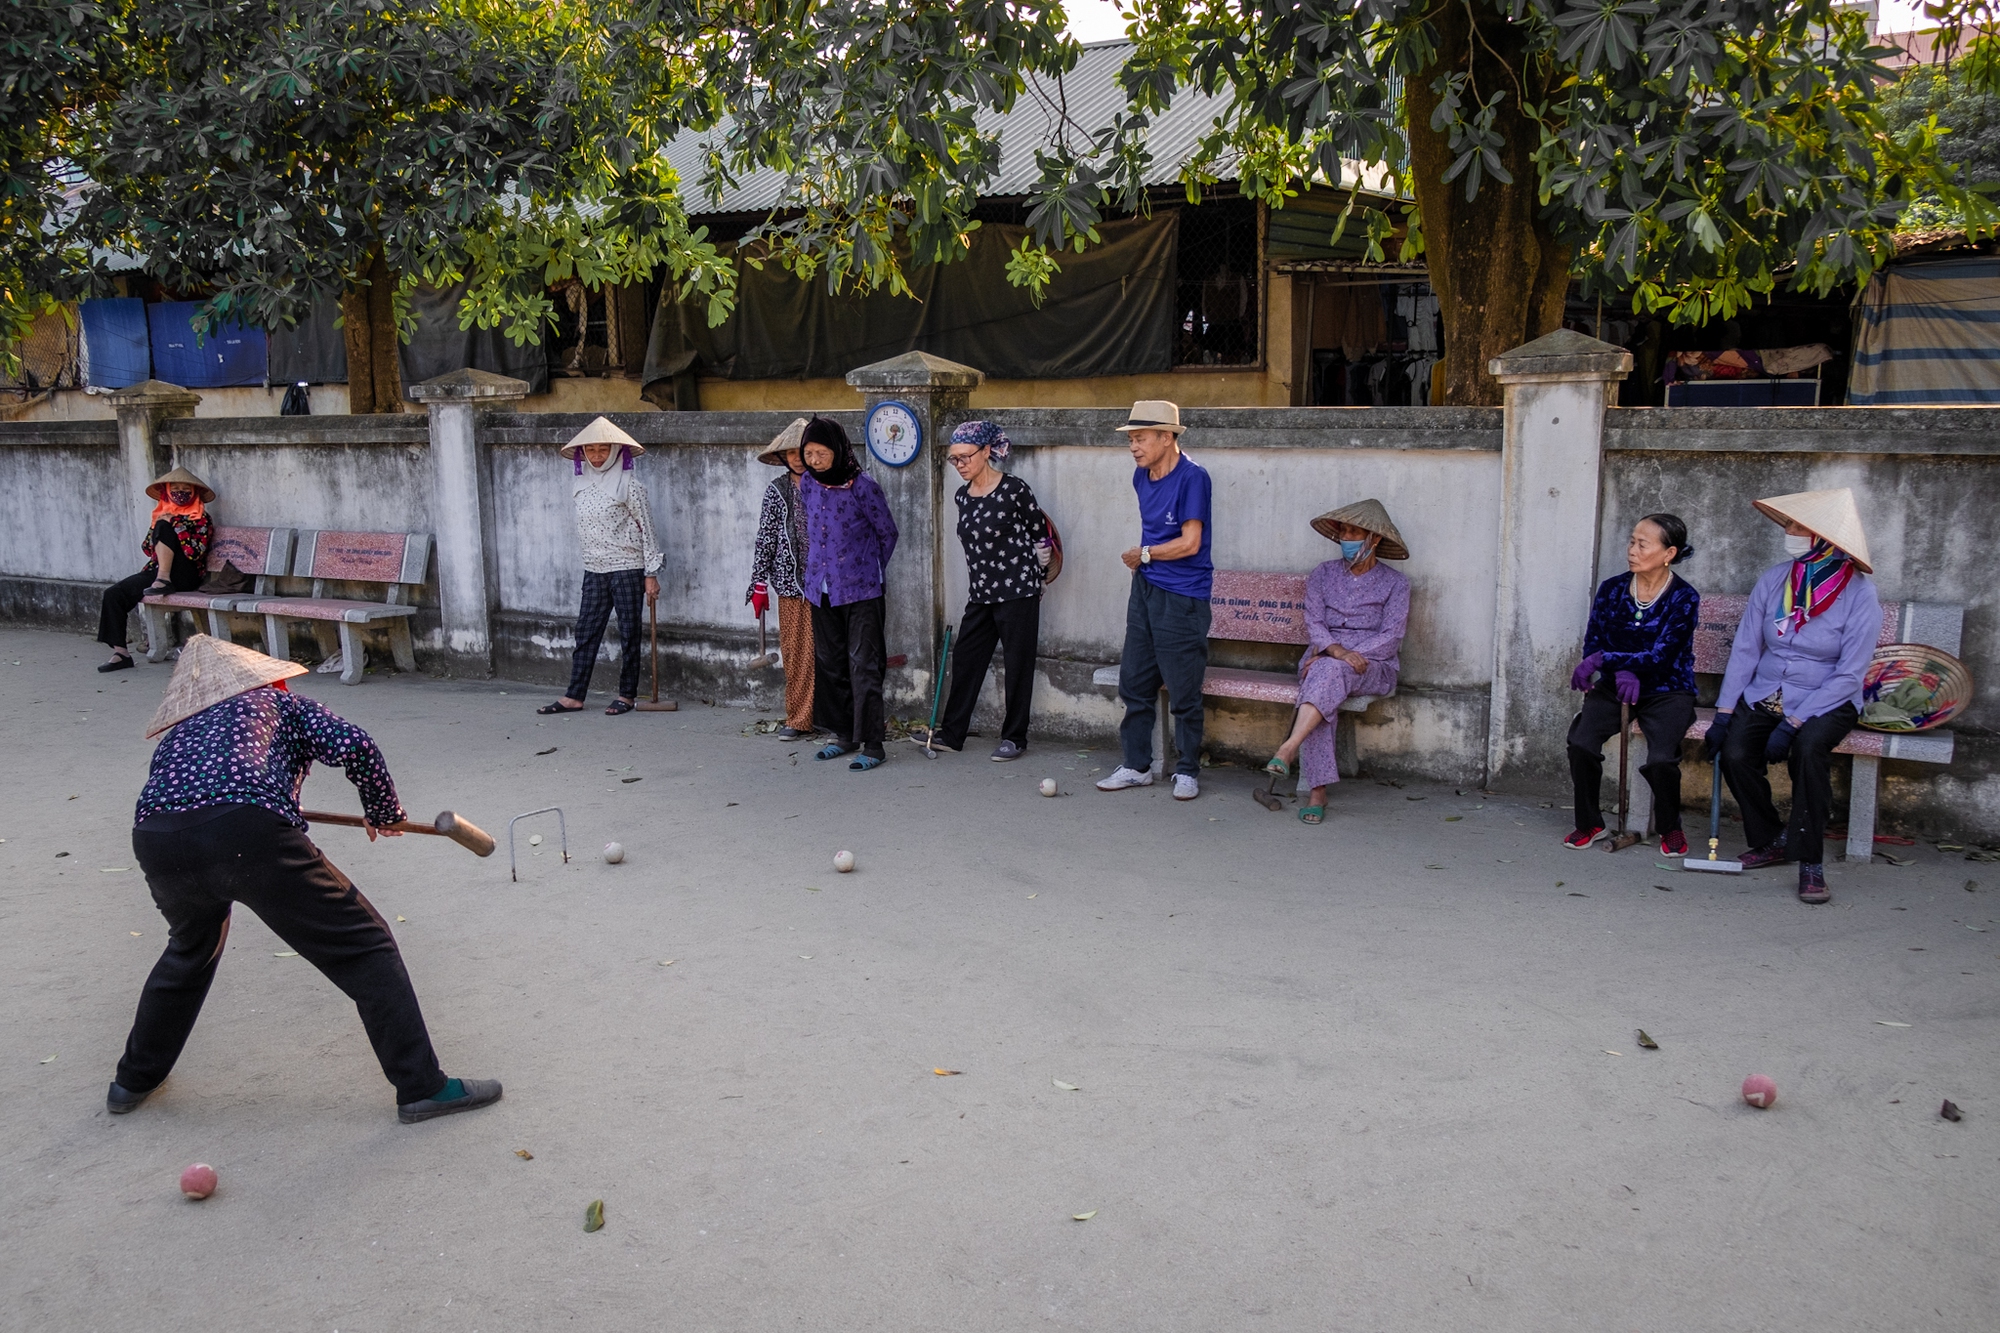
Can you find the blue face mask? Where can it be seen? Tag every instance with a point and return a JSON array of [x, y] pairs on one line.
[[1351, 551]]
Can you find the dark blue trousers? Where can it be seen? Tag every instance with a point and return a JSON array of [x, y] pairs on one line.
[[624, 590], [1166, 643]]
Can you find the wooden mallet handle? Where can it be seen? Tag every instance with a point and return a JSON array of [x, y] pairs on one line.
[[449, 824]]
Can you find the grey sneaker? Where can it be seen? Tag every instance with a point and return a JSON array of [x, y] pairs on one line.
[[478, 1092], [1006, 750], [1185, 787], [1123, 777]]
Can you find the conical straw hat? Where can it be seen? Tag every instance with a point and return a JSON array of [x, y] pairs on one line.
[[783, 442], [601, 431], [158, 489], [211, 670], [1368, 515], [1828, 514]]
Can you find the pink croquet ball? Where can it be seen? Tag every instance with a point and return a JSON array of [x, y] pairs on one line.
[[1760, 1091], [198, 1181]]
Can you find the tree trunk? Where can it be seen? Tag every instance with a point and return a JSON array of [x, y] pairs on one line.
[[1499, 273], [368, 327]]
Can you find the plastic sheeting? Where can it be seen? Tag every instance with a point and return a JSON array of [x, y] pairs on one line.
[[1109, 312], [116, 351], [228, 354], [440, 346], [313, 350], [1928, 333]]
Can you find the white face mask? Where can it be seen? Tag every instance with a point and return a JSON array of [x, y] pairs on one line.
[[1796, 547]]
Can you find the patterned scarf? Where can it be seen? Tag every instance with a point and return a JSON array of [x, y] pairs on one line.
[[1814, 584]]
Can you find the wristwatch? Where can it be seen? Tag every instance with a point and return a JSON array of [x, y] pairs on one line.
[[1145, 555]]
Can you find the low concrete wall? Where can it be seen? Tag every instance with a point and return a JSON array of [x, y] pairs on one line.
[[1925, 480]]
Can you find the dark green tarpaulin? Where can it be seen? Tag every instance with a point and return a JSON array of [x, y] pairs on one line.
[[440, 346], [1109, 312]]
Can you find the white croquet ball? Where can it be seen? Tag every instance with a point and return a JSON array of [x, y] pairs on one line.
[[614, 852], [535, 840], [843, 860], [1048, 786]]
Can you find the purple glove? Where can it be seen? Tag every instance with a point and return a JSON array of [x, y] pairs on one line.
[[1627, 686], [1579, 679]]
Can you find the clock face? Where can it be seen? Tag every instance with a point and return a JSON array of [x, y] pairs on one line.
[[894, 433]]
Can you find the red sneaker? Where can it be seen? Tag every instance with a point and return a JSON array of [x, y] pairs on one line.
[[1582, 838], [1674, 844]]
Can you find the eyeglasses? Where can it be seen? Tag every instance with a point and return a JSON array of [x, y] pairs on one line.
[[961, 460]]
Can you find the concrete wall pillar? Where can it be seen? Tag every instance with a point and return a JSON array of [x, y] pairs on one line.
[[1550, 457], [462, 510], [141, 409], [936, 391]]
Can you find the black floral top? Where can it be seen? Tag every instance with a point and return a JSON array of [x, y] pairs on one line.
[[192, 535], [998, 531], [779, 557], [256, 748]]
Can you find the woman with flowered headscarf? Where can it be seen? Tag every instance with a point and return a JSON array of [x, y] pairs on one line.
[[1008, 556], [176, 544], [1792, 691]]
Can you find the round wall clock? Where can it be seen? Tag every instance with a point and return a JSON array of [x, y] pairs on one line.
[[895, 432]]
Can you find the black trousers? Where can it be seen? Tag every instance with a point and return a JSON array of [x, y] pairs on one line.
[[1664, 718], [251, 856], [850, 656], [624, 589], [1166, 643], [1017, 628], [1811, 765], [124, 596]]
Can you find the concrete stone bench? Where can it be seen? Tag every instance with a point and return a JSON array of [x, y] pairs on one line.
[[264, 553], [395, 559], [1932, 623], [1249, 606]]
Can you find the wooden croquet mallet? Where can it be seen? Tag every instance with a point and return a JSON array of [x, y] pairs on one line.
[[656, 704], [449, 824]]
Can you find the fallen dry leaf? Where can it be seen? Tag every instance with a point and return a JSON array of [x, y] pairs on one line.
[[402, 918], [631, 780], [51, 1060], [1647, 1041], [1066, 1087], [947, 1073], [1883, 1022], [524, 1154], [112, 870], [1453, 819], [1031, 895], [135, 934], [1950, 1110], [1083, 1217], [1609, 1051], [289, 953], [593, 1216], [550, 750], [666, 962]]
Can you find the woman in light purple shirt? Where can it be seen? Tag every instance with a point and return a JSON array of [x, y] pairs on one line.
[[1792, 690], [1356, 612]]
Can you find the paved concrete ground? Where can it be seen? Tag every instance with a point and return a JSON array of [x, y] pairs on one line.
[[1354, 1077]]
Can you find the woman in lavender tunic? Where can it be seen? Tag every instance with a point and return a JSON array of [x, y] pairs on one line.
[[1356, 611], [850, 536]]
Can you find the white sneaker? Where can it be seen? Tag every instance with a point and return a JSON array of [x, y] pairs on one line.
[[1185, 787], [1123, 777]]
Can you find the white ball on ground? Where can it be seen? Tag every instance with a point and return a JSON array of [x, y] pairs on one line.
[[843, 860], [1048, 786], [614, 852], [534, 840]]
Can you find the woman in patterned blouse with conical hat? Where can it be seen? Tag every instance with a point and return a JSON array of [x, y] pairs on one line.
[[777, 570]]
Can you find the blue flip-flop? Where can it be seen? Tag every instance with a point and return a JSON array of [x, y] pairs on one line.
[[862, 763], [834, 750]]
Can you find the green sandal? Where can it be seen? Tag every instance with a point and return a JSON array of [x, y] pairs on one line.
[[1278, 767], [1312, 814]]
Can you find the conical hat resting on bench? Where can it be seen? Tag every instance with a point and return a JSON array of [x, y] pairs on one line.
[[1828, 514], [210, 671]]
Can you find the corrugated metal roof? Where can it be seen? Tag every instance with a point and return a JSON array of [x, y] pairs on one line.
[[1085, 101]]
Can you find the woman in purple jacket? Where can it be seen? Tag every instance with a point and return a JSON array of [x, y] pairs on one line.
[[849, 539], [1792, 690]]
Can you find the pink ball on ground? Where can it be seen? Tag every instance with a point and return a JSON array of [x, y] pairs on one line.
[[1760, 1091], [198, 1181]]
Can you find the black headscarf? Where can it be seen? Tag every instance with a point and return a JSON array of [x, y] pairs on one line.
[[844, 468]]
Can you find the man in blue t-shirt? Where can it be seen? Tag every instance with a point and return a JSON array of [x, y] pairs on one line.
[[1167, 617]]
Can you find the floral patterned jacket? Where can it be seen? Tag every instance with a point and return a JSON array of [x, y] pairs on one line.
[[192, 538]]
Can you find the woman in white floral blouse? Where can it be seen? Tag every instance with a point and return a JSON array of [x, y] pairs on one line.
[[1008, 553], [621, 558]]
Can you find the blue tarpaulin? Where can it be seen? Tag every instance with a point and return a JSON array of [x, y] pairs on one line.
[[114, 342], [228, 354]]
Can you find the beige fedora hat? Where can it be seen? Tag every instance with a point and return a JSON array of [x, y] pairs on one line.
[[211, 670], [1828, 514], [784, 442], [180, 476], [1370, 516], [601, 431], [1154, 414]]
